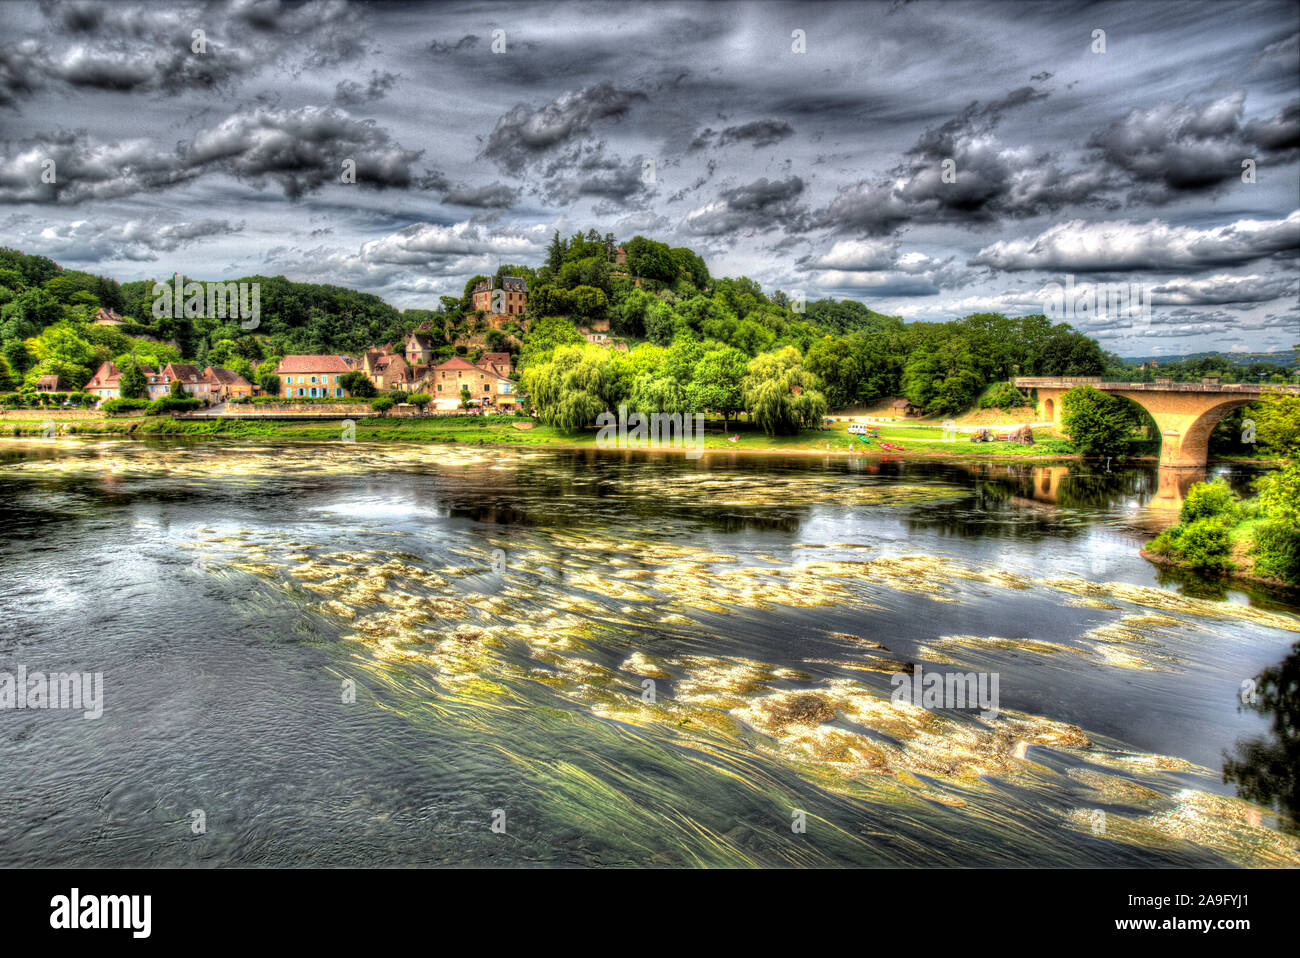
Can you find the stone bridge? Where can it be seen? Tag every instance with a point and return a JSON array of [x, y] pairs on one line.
[[1185, 413]]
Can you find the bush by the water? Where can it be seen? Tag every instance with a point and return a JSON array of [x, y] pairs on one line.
[[1208, 500], [1277, 552], [1204, 545]]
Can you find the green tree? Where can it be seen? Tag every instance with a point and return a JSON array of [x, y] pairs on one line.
[[356, 384], [779, 393], [1098, 425], [717, 382], [132, 384], [1277, 424], [1279, 493], [573, 388]]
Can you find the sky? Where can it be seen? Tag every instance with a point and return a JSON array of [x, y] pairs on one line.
[[929, 159]]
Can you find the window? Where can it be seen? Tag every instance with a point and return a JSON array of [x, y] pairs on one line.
[[301, 390], [313, 379], [339, 391]]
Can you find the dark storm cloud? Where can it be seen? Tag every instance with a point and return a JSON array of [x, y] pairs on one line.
[[149, 48], [990, 181], [300, 150], [1222, 289], [1174, 149], [755, 207], [468, 42], [349, 93], [760, 133], [525, 133], [494, 196]]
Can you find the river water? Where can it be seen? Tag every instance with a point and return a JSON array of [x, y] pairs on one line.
[[352, 654]]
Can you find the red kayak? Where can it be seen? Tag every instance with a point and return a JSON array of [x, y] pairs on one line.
[[891, 447]]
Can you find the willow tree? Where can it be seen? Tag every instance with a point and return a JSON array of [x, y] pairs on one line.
[[780, 394], [573, 388]]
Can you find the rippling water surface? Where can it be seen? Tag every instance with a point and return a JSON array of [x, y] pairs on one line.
[[626, 660]]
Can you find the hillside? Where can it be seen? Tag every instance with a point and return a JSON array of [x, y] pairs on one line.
[[660, 301]]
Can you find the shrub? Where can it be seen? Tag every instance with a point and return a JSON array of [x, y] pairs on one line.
[[124, 405], [172, 403], [1206, 545], [381, 404], [1004, 396], [358, 385], [1098, 424], [1277, 551], [1208, 500]]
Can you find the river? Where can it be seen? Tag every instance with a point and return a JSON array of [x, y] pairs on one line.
[[356, 654]]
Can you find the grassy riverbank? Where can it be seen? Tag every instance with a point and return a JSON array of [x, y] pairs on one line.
[[917, 441]]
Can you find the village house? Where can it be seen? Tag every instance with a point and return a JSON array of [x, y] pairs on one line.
[[50, 384], [486, 386], [513, 299], [104, 384], [419, 349], [191, 380], [224, 384], [499, 363], [311, 377]]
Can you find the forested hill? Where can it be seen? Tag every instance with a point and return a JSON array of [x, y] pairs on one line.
[[648, 292]]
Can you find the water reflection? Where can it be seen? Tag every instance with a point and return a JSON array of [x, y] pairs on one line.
[[1267, 769], [771, 598]]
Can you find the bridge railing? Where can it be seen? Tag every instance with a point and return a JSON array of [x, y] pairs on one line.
[[1163, 385]]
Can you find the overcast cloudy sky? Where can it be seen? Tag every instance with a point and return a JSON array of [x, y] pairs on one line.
[[818, 171]]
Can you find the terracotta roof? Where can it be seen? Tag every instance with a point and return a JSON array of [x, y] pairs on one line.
[[106, 375], [219, 375], [313, 364], [457, 363], [185, 372], [496, 359]]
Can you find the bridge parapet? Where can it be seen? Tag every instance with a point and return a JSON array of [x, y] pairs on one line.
[[1204, 386]]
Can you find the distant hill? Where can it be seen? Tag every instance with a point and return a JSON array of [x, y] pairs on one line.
[[1282, 357]]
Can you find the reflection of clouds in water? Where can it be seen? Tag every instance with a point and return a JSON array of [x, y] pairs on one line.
[[385, 508]]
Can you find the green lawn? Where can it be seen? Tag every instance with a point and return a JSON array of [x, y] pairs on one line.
[[926, 441]]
